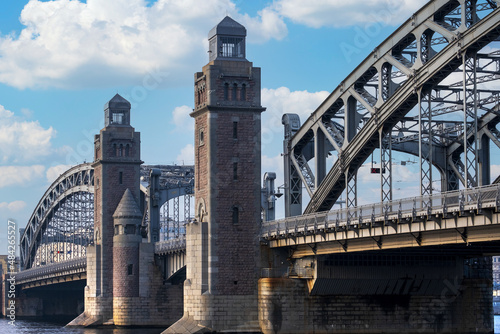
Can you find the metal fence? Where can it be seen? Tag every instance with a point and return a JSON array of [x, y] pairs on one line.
[[170, 246], [474, 199], [51, 270]]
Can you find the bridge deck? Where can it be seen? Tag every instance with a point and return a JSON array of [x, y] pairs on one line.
[[447, 218]]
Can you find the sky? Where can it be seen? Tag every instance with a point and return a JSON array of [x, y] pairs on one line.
[[62, 60]]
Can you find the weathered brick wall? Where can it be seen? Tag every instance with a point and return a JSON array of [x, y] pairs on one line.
[[237, 243], [125, 285], [156, 304], [285, 306], [109, 190], [222, 257]]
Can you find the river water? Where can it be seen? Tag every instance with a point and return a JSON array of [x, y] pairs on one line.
[[35, 327]]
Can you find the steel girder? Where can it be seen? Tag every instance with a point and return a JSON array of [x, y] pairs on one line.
[[73, 183], [62, 224], [408, 51], [167, 184]]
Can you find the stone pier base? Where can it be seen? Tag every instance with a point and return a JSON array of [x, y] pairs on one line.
[[158, 304], [285, 306], [210, 313]]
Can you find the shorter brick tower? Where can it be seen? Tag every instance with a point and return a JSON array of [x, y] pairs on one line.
[[222, 251], [126, 241], [124, 285], [116, 169]]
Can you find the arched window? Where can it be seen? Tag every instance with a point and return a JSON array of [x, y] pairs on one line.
[[235, 88], [120, 150], [127, 150], [243, 94], [236, 215], [114, 150]]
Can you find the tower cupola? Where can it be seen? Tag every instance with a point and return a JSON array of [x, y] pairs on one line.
[[117, 112], [227, 40]]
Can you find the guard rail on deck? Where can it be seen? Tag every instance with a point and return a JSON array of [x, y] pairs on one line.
[[69, 267], [170, 246], [401, 211]]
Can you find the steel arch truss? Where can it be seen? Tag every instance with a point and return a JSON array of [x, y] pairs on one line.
[[61, 225], [165, 217], [425, 90]]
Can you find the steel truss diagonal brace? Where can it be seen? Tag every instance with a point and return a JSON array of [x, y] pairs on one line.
[[471, 145]]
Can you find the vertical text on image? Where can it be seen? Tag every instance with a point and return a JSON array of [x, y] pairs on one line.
[[11, 272]]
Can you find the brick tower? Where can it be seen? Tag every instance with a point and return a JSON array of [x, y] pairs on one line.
[[126, 241], [116, 169], [220, 291]]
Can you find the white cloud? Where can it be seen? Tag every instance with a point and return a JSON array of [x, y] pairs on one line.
[[53, 172], [495, 172], [281, 100], [76, 44], [20, 175], [15, 206], [21, 140], [182, 120], [270, 25], [319, 13], [186, 157]]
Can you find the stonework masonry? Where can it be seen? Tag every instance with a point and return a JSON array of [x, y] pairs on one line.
[[285, 306], [124, 285], [222, 245]]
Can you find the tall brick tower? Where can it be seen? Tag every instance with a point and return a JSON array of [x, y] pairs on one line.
[[116, 169], [220, 291]]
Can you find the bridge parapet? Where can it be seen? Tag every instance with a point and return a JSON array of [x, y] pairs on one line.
[[170, 246], [412, 216], [59, 270]]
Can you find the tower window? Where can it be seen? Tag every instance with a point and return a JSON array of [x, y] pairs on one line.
[[243, 95], [114, 150], [235, 171], [201, 138], [235, 130], [226, 91], [233, 95], [236, 215], [120, 177], [127, 150], [120, 150], [130, 269], [118, 118], [232, 47]]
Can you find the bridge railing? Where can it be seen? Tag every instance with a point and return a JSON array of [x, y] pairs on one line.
[[51, 270], [170, 246], [397, 210]]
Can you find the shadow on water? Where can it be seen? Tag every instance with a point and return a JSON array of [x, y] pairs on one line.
[[32, 327]]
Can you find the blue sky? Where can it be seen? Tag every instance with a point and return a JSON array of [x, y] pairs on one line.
[[62, 60]]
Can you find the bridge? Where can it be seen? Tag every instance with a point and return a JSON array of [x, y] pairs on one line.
[[54, 242], [419, 264]]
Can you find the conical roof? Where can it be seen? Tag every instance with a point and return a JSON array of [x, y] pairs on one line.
[[127, 208], [228, 26], [117, 102]]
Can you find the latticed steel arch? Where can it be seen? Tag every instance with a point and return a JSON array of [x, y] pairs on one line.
[[62, 224], [64, 214], [407, 71]]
